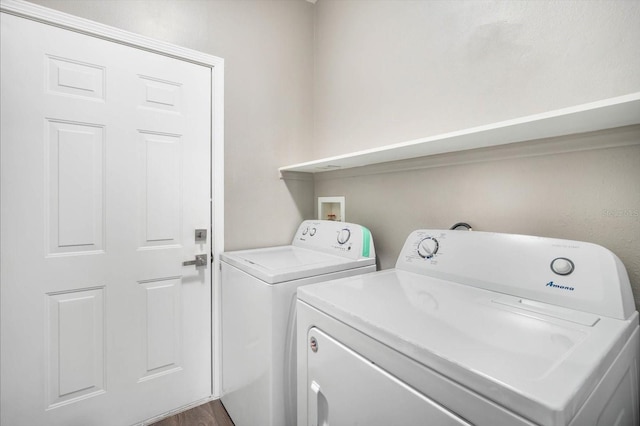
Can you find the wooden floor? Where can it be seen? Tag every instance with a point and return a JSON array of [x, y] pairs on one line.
[[209, 414]]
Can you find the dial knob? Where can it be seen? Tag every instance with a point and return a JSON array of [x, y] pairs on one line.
[[428, 247], [344, 235], [312, 232], [305, 230], [562, 266]]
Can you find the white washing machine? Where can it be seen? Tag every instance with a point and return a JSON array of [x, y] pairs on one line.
[[258, 314], [473, 328]]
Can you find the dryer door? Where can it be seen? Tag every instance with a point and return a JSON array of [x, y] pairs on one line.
[[344, 388]]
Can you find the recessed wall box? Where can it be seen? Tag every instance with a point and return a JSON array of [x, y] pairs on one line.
[[331, 208]]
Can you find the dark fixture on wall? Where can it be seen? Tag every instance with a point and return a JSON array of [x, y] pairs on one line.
[[461, 225]]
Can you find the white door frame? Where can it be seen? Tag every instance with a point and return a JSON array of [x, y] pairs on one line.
[[95, 29]]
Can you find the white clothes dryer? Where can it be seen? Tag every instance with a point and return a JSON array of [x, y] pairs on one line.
[[258, 314], [473, 328]]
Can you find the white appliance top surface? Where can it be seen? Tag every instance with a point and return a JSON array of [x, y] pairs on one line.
[[285, 263], [537, 359]]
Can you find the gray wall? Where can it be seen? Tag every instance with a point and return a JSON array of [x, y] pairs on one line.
[[392, 71], [268, 52]]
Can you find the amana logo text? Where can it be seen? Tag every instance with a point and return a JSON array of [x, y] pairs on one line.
[[560, 287]]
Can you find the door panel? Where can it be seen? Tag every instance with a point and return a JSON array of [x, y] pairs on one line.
[[75, 325], [105, 175], [74, 187], [161, 187], [162, 334], [74, 78]]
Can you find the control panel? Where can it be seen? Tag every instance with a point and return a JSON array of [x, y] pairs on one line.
[[339, 238], [572, 274]]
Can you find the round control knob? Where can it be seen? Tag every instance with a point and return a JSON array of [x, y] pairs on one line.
[[343, 236], [312, 232], [562, 266], [305, 230], [428, 247]]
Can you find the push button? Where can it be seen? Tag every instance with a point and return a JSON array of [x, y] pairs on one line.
[[562, 266]]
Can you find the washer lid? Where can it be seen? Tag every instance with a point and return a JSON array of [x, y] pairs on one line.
[[285, 263], [538, 360]]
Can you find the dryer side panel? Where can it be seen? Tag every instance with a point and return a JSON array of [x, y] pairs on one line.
[[616, 399], [246, 347]]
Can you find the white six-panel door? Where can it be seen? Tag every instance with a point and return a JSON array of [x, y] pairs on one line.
[[105, 176]]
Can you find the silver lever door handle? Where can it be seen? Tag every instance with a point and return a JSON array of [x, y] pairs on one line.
[[200, 260]]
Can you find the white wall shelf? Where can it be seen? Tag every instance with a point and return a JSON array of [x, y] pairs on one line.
[[605, 114]]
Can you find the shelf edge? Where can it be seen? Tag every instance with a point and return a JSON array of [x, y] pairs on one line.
[[600, 115]]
